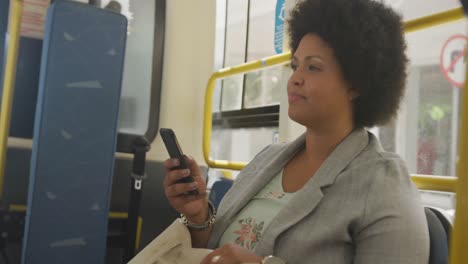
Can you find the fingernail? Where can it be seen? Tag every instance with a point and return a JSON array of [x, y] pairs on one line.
[[186, 172], [194, 185], [175, 162]]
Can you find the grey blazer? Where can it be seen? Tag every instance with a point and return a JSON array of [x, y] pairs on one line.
[[360, 207]]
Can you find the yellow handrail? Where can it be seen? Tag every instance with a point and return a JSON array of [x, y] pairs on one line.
[[433, 20], [14, 23], [458, 250], [207, 123], [410, 26], [435, 183]]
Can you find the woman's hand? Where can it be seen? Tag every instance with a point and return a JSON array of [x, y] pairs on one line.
[[231, 254], [194, 207]]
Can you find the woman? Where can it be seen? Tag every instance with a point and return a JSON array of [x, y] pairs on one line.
[[332, 195]]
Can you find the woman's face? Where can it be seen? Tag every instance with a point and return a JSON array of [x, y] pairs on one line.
[[318, 95]]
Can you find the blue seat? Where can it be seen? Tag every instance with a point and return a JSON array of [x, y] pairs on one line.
[[439, 236], [75, 132], [218, 190]]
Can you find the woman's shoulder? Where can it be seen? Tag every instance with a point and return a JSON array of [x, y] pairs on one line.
[[375, 166], [373, 155]]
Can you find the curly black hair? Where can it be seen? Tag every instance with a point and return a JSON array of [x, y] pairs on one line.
[[367, 38]]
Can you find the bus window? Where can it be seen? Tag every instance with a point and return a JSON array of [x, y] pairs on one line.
[[246, 107], [262, 87], [427, 126], [234, 52]]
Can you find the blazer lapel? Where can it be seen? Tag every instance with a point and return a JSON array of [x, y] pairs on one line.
[[308, 198]]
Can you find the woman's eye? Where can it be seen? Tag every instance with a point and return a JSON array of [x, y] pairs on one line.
[[293, 67], [313, 68]]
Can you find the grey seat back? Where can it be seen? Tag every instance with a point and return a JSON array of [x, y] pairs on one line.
[[439, 235]]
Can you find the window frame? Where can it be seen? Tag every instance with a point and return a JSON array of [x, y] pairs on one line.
[[125, 141], [262, 116]]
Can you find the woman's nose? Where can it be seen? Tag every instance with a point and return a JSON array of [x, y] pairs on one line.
[[296, 79]]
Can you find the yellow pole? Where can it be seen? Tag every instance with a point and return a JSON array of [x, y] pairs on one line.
[[14, 23], [435, 183], [138, 234], [459, 242], [207, 122], [434, 20]]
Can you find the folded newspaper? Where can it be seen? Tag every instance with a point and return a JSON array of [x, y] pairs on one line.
[[173, 246]]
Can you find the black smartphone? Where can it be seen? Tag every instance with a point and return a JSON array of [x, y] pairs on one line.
[[175, 152]]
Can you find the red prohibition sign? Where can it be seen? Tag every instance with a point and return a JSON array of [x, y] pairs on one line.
[[455, 56]]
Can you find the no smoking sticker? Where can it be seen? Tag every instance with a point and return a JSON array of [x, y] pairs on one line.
[[453, 61]]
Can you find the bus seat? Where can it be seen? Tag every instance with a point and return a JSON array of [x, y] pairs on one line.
[[439, 235], [218, 190]]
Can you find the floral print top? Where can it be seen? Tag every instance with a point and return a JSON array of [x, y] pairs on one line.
[[248, 225]]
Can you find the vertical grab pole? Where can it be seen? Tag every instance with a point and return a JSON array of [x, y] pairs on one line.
[[458, 252], [16, 10], [459, 243]]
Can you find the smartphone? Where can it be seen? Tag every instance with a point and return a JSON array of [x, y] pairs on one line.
[[175, 152]]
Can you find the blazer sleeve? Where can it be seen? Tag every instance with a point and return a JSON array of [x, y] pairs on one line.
[[393, 227]]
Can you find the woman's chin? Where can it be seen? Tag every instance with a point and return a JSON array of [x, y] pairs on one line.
[[296, 116]]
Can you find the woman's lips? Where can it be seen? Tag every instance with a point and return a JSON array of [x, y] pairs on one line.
[[292, 98]]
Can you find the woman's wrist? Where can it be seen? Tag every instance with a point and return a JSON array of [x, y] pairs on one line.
[[201, 221], [200, 218]]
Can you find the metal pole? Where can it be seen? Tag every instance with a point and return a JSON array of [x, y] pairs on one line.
[[459, 238], [14, 23]]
